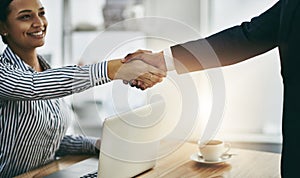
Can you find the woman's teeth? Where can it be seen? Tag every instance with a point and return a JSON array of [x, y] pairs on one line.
[[37, 33]]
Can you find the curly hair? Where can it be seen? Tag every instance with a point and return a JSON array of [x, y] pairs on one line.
[[4, 11]]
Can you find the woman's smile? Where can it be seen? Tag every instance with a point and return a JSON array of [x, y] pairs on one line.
[[37, 34]]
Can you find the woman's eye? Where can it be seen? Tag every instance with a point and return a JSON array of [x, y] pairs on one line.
[[42, 13], [25, 17]]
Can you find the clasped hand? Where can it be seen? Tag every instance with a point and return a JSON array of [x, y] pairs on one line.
[[137, 73], [152, 60]]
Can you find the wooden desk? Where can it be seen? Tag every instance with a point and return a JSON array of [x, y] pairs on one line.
[[246, 164]]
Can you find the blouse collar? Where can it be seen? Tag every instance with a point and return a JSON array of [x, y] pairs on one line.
[[15, 60]]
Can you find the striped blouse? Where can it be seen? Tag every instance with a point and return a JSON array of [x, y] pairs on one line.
[[33, 114]]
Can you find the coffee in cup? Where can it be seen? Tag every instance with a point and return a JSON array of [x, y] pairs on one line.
[[213, 149]]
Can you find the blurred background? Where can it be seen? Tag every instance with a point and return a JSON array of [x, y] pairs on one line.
[[252, 115]]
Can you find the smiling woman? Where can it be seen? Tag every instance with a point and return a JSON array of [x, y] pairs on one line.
[[33, 114], [26, 24]]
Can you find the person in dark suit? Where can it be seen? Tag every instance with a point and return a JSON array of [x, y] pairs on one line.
[[278, 27]]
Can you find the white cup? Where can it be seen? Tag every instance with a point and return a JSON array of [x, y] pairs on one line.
[[214, 149]]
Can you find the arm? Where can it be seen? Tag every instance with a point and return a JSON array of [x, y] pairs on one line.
[[16, 84], [74, 145]]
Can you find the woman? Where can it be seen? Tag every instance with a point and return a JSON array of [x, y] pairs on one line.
[[33, 115]]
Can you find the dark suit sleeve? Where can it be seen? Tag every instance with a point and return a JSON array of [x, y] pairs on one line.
[[230, 46]]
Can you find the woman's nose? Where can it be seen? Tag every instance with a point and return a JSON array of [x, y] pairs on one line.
[[38, 22]]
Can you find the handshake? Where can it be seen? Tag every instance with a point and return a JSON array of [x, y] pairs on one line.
[[141, 69]]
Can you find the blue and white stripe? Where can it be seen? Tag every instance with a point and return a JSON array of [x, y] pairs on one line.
[[33, 114]]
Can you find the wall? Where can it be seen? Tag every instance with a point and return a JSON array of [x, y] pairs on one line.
[[53, 45], [185, 12]]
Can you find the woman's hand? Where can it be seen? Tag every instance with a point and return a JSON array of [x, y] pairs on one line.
[[98, 143]]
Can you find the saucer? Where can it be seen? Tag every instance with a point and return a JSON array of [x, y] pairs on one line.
[[198, 158]]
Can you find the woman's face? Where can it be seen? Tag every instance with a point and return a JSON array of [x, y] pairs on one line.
[[26, 24]]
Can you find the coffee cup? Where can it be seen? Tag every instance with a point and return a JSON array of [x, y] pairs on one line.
[[213, 149]]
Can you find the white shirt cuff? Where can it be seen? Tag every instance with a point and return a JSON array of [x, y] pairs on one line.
[[169, 59], [98, 73]]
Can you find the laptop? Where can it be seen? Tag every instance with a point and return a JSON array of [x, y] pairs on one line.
[[129, 145]]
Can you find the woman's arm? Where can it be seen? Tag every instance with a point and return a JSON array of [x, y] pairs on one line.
[[16, 84], [75, 145]]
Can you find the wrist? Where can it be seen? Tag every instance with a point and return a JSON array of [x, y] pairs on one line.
[[162, 61], [112, 67], [168, 58]]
